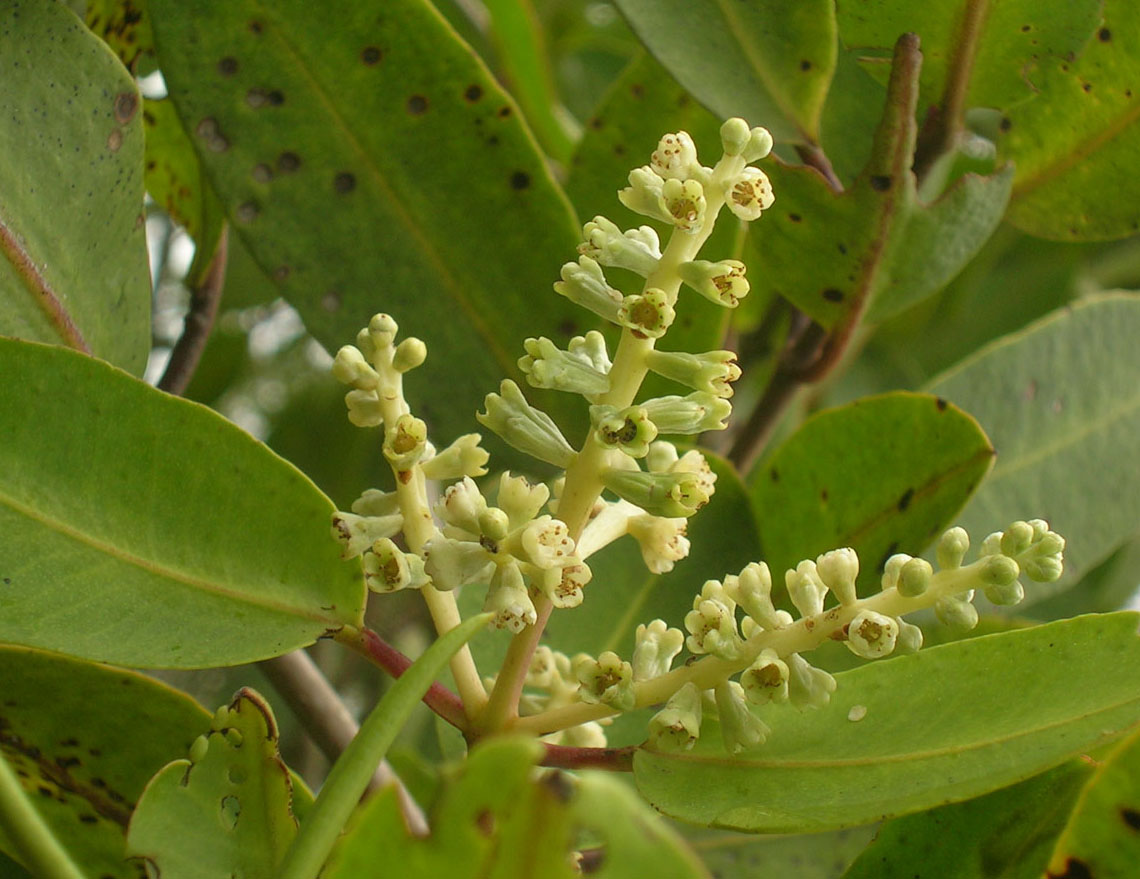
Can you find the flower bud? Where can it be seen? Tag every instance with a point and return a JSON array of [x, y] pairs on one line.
[[509, 600], [752, 590], [382, 331], [644, 194], [629, 429], [387, 569], [493, 523], [670, 495], [685, 203], [607, 680], [461, 506], [722, 282], [998, 570], [350, 368], [525, 428], [584, 284], [647, 315], [892, 569], [759, 145], [909, 638], [740, 729], [837, 570], [677, 726], [519, 499], [543, 671], [675, 156], [766, 680], [1005, 594], [805, 588], [872, 635], [584, 369], [656, 646], [691, 414], [952, 547], [585, 735], [808, 687], [712, 372], [957, 611], [914, 577], [409, 354], [749, 194], [363, 408], [734, 136], [464, 457], [638, 250]]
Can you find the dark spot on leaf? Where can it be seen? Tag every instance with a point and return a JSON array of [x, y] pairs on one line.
[[247, 212], [504, 112], [94, 752], [256, 26], [281, 274], [89, 819], [261, 173], [67, 762], [637, 90], [1131, 817], [1128, 93], [417, 105], [115, 140], [880, 182], [823, 495], [126, 105], [1104, 35], [98, 782], [1026, 28], [44, 791], [1006, 123], [276, 98], [619, 149], [1074, 869], [344, 182], [473, 93], [288, 162], [795, 218], [520, 180], [774, 474], [941, 404], [842, 248], [330, 302], [832, 295], [207, 128], [370, 55], [493, 140], [228, 66], [596, 123], [805, 65], [905, 500], [568, 327]]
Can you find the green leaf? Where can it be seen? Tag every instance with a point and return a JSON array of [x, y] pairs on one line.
[[73, 263], [816, 856], [882, 475], [124, 27], [222, 813], [1009, 833], [1016, 42], [141, 529], [1103, 835], [1061, 404], [875, 247], [941, 726], [766, 61], [85, 739], [1107, 587], [1074, 143], [498, 820], [370, 163]]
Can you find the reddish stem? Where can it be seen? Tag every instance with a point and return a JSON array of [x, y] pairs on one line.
[[610, 759]]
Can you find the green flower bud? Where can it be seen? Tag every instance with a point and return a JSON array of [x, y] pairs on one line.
[[585, 735], [388, 569], [734, 136], [644, 194], [909, 639], [382, 331], [464, 457], [543, 672], [685, 203], [766, 680], [675, 156], [914, 577], [525, 428], [358, 533], [583, 369], [493, 523], [808, 687], [509, 599], [712, 372], [957, 611], [892, 569], [363, 408], [584, 284], [638, 250], [670, 495], [759, 145], [998, 570], [409, 354], [805, 588], [691, 414], [662, 457], [377, 503], [749, 194], [656, 646], [647, 315], [677, 726], [1016, 539], [1043, 561], [629, 429], [740, 729], [405, 442], [350, 368], [872, 635], [837, 570], [952, 548], [721, 282], [1006, 594], [451, 563], [199, 748], [752, 590], [606, 680]]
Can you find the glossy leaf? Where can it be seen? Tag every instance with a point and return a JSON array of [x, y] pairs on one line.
[[1075, 143], [370, 162], [141, 529], [85, 739], [766, 61], [222, 813], [73, 262], [943, 725], [1007, 834], [875, 248], [1003, 49], [497, 820], [1102, 839], [882, 475], [1061, 404], [815, 856]]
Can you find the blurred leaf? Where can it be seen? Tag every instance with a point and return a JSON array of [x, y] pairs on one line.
[[767, 61], [1017, 42], [73, 262], [85, 739], [369, 163], [497, 820], [123, 26], [1061, 404], [1103, 836], [854, 106], [226, 813], [142, 529], [1075, 143], [1107, 587], [882, 475], [1009, 833], [942, 725], [729, 854]]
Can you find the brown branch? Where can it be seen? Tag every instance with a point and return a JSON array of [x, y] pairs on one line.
[[204, 299], [813, 156], [610, 759], [329, 723]]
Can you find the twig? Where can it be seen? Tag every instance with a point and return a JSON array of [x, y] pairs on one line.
[[813, 156], [329, 723], [610, 759], [204, 299]]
